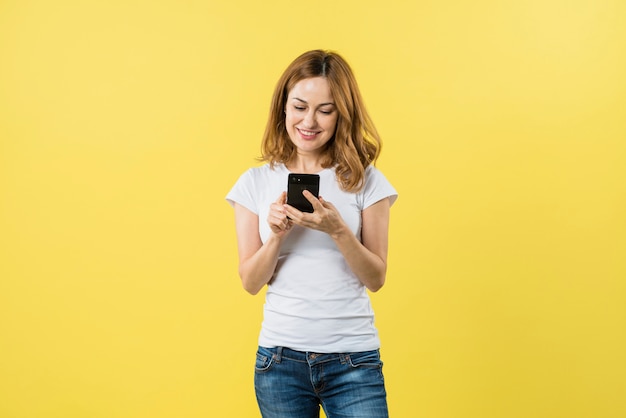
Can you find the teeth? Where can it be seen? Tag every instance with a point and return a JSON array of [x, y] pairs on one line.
[[307, 133]]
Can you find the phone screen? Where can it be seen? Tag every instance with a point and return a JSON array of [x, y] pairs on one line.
[[299, 183]]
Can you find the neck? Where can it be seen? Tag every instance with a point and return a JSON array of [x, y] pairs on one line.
[[305, 164]]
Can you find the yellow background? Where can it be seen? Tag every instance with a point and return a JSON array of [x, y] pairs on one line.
[[123, 124]]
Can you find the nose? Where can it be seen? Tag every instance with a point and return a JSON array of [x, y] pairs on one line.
[[309, 119]]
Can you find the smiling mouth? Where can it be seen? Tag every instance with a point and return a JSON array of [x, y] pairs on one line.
[[307, 134]]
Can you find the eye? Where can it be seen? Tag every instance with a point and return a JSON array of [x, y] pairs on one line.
[[326, 112], [299, 108]]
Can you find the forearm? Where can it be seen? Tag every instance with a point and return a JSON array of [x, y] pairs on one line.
[[367, 266], [257, 270]]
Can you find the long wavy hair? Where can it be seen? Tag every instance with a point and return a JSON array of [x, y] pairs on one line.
[[355, 144]]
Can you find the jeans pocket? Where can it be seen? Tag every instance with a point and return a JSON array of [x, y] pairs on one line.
[[264, 360], [366, 359]]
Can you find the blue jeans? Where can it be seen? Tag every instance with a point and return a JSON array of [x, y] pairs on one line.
[[293, 384]]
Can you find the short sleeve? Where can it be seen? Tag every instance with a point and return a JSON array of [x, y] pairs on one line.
[[243, 192], [376, 188]]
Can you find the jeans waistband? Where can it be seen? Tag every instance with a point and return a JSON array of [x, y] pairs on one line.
[[306, 356]]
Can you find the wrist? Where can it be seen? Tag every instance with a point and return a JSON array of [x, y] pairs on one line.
[[341, 233], [276, 238]]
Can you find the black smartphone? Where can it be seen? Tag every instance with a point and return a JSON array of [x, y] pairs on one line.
[[296, 185]]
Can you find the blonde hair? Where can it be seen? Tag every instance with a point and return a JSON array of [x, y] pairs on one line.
[[356, 143]]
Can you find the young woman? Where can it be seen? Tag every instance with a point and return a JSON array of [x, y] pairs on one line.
[[318, 343]]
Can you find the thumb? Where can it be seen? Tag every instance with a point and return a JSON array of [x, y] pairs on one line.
[[282, 199]]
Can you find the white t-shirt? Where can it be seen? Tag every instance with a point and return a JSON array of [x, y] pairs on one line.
[[314, 302]]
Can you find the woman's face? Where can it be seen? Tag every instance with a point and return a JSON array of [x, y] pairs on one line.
[[310, 115]]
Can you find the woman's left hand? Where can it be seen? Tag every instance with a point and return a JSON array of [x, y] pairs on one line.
[[325, 216]]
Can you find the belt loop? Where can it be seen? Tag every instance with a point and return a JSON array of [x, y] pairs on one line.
[[279, 354]]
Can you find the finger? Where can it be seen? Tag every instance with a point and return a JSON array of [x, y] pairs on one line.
[[279, 224], [312, 199], [278, 207], [282, 198], [277, 212], [291, 212]]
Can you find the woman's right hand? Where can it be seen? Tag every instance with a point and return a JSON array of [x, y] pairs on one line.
[[277, 218]]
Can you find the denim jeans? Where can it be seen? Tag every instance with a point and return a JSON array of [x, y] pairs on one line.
[[293, 384]]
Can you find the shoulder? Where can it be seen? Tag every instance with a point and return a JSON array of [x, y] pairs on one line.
[[377, 186], [372, 171], [266, 170], [260, 173], [373, 176], [259, 179], [253, 186]]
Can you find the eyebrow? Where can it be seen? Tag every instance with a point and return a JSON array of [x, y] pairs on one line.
[[321, 104]]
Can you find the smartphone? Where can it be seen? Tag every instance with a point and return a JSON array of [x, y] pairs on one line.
[[296, 185]]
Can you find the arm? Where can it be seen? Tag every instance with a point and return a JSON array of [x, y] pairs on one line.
[[368, 260], [257, 260]]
